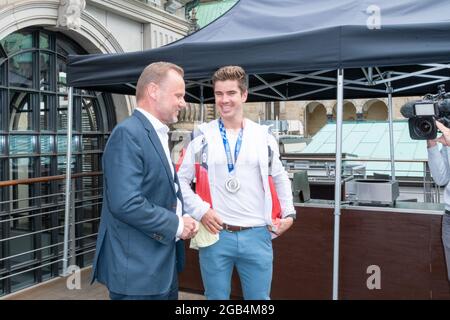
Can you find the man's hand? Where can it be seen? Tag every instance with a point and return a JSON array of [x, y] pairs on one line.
[[445, 137], [285, 224], [190, 228], [212, 221]]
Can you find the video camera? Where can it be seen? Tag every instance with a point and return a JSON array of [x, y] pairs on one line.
[[423, 113]]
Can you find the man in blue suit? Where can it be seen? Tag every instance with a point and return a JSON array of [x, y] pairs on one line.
[[138, 250]]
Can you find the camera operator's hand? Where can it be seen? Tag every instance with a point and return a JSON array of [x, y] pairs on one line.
[[431, 143], [445, 137]]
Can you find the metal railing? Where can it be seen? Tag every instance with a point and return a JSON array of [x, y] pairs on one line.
[[32, 228], [414, 183]]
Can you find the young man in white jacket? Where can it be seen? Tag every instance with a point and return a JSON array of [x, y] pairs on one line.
[[440, 170], [240, 186]]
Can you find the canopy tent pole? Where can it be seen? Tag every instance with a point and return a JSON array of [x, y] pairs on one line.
[[337, 185], [202, 105], [68, 179], [391, 129]]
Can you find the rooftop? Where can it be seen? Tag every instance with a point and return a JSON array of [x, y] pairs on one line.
[[56, 289], [370, 140], [210, 11]]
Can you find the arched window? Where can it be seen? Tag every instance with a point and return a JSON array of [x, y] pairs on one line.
[[316, 117], [33, 143], [349, 112], [375, 109]]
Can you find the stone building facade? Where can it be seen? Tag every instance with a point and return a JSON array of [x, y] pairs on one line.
[[313, 115]]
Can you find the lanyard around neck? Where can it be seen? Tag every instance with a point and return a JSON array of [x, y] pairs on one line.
[[226, 145]]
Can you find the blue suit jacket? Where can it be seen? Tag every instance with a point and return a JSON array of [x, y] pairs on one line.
[[136, 249]]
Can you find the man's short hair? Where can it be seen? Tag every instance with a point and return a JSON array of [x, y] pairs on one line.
[[155, 72], [231, 73]]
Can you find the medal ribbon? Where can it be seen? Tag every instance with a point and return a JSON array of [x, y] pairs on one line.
[[226, 145]]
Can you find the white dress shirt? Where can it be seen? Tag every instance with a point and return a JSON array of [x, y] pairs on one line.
[[246, 207], [162, 131]]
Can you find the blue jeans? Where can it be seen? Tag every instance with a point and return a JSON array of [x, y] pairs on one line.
[[172, 294], [251, 252]]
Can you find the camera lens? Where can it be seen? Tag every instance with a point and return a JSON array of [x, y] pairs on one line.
[[425, 126], [422, 128]]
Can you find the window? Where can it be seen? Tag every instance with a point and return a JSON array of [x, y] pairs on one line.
[[33, 143]]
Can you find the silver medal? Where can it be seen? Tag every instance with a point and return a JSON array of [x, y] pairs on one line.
[[232, 185]]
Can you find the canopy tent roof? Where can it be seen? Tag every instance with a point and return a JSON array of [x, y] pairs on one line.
[[291, 49]]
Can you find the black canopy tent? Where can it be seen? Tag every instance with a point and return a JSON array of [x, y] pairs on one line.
[[279, 41], [298, 50]]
